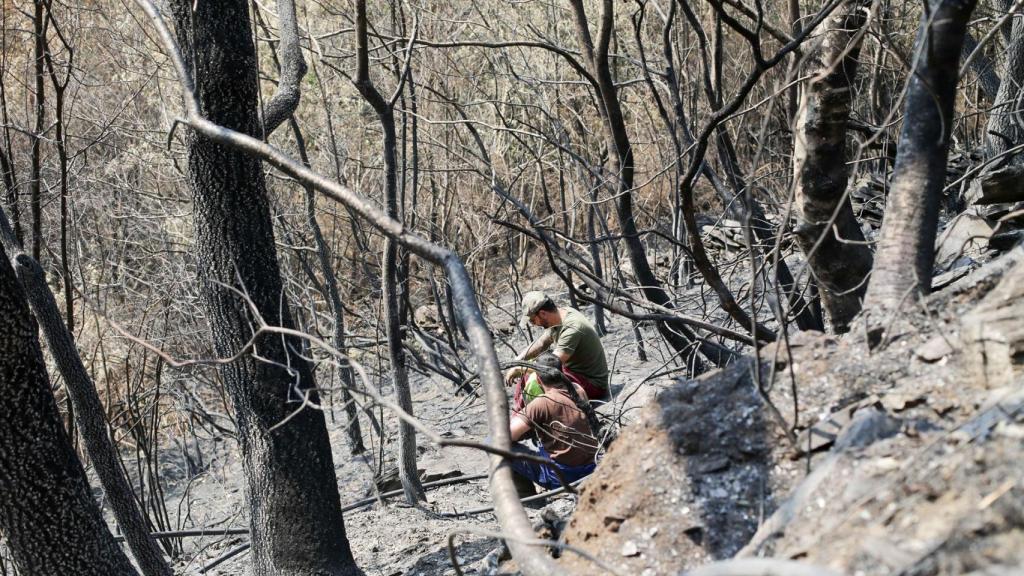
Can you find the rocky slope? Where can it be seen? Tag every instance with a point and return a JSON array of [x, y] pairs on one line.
[[907, 459]]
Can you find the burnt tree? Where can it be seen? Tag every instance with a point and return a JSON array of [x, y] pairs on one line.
[[1004, 130], [294, 506], [47, 514], [621, 168], [394, 275], [827, 230], [86, 404], [905, 254]]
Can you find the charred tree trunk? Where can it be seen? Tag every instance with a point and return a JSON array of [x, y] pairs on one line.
[[1004, 129], [906, 255], [827, 230], [333, 295], [87, 405], [60, 140], [47, 514], [793, 94], [7, 164], [595, 257], [621, 167], [399, 373], [35, 179], [294, 507]]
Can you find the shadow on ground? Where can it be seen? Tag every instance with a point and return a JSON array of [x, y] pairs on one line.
[[437, 563], [688, 483], [718, 427]]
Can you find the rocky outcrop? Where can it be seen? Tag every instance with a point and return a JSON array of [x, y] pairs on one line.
[[909, 458]]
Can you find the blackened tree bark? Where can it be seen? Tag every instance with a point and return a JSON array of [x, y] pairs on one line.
[[47, 514], [39, 22], [1004, 129], [827, 230], [906, 255], [87, 405], [60, 86], [294, 507], [7, 164], [407, 472]]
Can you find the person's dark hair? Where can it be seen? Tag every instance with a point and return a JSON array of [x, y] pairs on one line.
[[549, 369]]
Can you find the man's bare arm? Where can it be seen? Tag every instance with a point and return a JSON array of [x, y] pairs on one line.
[[518, 427], [542, 343]]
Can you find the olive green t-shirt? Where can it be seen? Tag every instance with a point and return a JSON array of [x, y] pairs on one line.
[[577, 337]]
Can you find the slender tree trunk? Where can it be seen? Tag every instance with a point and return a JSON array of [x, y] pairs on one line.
[[346, 378], [621, 166], [399, 374], [333, 296], [595, 257], [674, 125], [11, 188], [59, 90], [84, 399], [50, 521], [294, 506], [711, 54], [906, 250], [793, 94], [35, 179], [7, 164], [1004, 129], [827, 230]]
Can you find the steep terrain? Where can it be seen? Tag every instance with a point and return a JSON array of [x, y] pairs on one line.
[[910, 459], [906, 460]]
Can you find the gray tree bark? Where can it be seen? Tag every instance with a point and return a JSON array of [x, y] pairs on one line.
[[827, 230], [905, 255], [983, 67], [292, 68], [294, 507], [89, 411], [47, 514], [1006, 121]]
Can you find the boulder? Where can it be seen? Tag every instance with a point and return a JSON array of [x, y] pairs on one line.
[[966, 235], [998, 186]]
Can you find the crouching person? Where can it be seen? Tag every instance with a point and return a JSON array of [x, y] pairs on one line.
[[564, 435]]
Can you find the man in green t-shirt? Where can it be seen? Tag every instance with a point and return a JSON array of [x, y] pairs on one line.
[[575, 342]]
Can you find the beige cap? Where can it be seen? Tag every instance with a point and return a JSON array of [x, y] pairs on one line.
[[532, 302]]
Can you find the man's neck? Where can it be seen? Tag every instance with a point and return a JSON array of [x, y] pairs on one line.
[[561, 317]]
